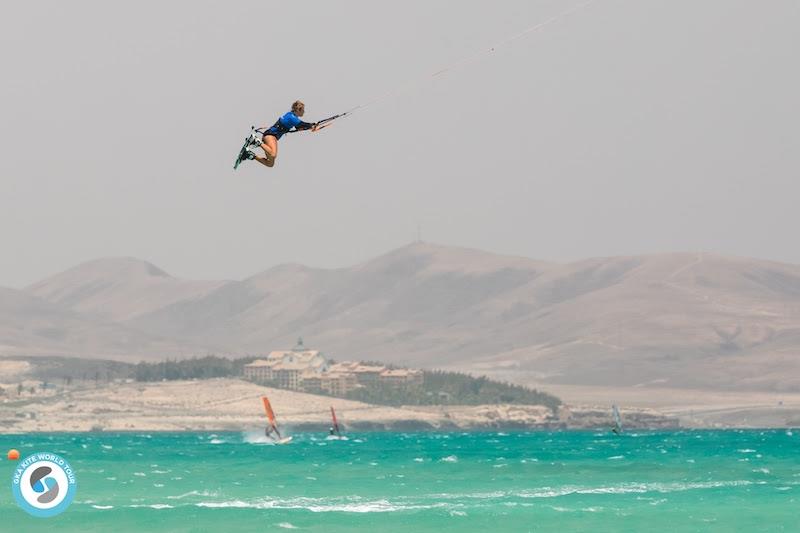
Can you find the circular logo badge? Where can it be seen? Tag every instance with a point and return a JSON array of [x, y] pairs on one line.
[[44, 484]]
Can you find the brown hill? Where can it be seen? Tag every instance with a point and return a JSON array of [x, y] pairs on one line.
[[31, 326], [675, 320], [117, 288]]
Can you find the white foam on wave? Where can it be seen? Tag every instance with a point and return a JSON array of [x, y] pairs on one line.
[[157, 506], [470, 495], [103, 507], [628, 488], [449, 459], [322, 505], [203, 493], [257, 437], [287, 525]]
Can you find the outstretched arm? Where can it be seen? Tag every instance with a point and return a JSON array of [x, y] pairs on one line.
[[306, 126]]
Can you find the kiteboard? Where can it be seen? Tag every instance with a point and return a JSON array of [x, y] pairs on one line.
[[284, 440], [250, 140]]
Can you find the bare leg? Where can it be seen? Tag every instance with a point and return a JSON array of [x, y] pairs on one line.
[[270, 147]]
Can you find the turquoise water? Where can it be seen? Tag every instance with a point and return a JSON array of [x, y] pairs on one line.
[[561, 481]]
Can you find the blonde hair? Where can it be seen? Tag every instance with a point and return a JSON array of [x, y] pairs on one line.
[[297, 106]]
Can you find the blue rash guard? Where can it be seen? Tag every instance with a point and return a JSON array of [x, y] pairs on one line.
[[286, 123]]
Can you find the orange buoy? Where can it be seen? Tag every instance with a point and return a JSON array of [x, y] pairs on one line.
[[13, 455]]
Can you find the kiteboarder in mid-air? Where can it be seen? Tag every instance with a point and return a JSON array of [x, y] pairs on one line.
[[269, 139]]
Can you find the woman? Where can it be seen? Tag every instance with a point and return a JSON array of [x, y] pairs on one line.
[[269, 141]]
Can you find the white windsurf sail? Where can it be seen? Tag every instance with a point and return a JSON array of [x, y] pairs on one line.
[[617, 420]]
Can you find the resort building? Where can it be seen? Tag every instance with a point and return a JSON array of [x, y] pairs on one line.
[[368, 374], [285, 367], [258, 370], [307, 370], [401, 377], [339, 383]]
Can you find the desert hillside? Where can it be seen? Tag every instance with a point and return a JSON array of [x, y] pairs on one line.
[[671, 320]]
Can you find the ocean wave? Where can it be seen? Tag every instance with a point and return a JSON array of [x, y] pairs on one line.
[[325, 505], [257, 437], [470, 495], [103, 507], [629, 488], [452, 503], [202, 493], [557, 492], [157, 506], [577, 510]]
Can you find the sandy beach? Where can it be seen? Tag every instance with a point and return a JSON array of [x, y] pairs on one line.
[[232, 404]]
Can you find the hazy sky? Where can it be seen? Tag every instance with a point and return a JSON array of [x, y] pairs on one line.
[[633, 126]]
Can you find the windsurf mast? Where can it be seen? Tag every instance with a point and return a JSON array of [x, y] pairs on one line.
[[335, 422], [270, 416]]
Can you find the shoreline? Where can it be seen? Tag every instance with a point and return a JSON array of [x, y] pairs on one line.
[[360, 431], [225, 404]]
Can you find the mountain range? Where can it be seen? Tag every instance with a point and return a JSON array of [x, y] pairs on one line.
[[671, 320]]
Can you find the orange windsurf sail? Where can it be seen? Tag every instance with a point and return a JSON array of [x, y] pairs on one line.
[[270, 414]]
